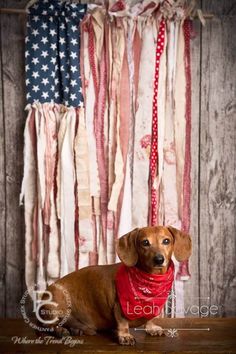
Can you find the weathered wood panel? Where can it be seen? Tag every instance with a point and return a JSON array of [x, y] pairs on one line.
[[2, 200], [218, 159], [12, 29]]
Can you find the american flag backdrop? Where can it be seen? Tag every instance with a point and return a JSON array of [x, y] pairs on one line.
[[108, 132], [52, 53]]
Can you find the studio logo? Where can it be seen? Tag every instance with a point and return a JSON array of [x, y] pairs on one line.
[[44, 308]]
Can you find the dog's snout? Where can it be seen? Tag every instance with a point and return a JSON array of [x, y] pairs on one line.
[[159, 259]]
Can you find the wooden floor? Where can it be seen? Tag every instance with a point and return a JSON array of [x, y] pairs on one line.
[[200, 336]]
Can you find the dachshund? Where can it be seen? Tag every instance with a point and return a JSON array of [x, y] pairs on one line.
[[94, 302]]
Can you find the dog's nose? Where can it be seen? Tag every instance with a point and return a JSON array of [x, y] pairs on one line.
[[159, 259]]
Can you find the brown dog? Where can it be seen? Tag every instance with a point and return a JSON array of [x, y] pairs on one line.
[[94, 302]]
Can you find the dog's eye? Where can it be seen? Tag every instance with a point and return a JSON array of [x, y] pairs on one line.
[[145, 243], [166, 241]]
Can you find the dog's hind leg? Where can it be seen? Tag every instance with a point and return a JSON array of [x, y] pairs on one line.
[[77, 328]]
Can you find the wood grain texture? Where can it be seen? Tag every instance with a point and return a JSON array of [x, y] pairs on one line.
[[220, 339], [218, 161], [14, 102], [2, 198]]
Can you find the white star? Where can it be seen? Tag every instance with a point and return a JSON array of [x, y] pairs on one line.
[[73, 14], [80, 90], [44, 40], [45, 95], [66, 89], [73, 69], [56, 81], [45, 81], [53, 32], [35, 74], [44, 67], [66, 103], [73, 55], [51, 19], [53, 74], [74, 41], [35, 46], [45, 1], [73, 83], [53, 46], [56, 94], [35, 18], [67, 76], [61, 55], [62, 40], [62, 26], [73, 6], [26, 53], [44, 12], [35, 61], [53, 88], [81, 104], [27, 67], [51, 7], [27, 82], [74, 28], [26, 39], [62, 68], [44, 25], [35, 88], [53, 60], [73, 96], [35, 32], [28, 95], [44, 53]]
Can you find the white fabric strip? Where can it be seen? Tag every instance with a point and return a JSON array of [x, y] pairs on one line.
[[179, 116], [28, 193]]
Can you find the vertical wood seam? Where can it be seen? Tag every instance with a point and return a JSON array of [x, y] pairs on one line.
[[4, 173]]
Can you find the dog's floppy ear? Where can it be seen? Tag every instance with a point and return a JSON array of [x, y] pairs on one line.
[[182, 244], [126, 249]]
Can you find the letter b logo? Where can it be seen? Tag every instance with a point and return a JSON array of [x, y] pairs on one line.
[[38, 303]]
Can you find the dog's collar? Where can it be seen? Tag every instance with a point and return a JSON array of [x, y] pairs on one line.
[[142, 295]]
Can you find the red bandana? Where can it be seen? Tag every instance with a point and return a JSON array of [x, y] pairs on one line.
[[142, 295]]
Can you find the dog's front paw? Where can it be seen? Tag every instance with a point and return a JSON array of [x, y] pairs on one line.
[[154, 330], [126, 339], [61, 332]]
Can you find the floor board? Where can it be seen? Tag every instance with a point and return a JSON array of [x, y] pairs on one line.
[[193, 336]]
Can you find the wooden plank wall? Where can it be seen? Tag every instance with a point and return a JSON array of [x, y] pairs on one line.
[[12, 119], [213, 225]]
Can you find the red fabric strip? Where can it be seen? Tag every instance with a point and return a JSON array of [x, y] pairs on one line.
[[154, 143], [183, 273]]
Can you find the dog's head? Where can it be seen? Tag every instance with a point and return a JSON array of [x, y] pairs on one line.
[[151, 248]]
